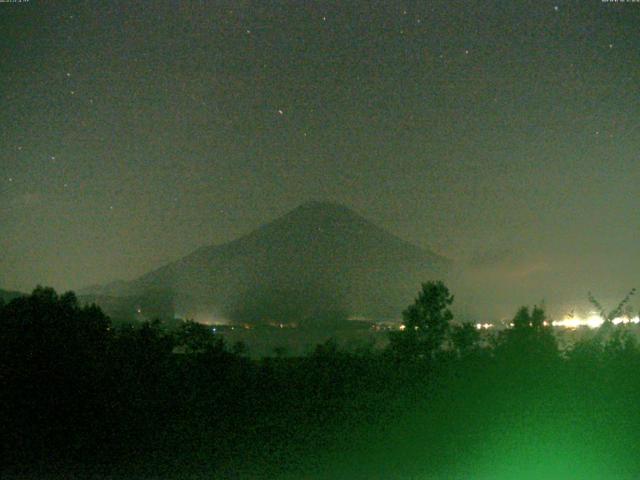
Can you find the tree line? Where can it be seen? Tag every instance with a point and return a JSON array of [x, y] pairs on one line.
[[79, 394]]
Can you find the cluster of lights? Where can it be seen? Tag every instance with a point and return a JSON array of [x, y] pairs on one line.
[[479, 326], [592, 321], [484, 326]]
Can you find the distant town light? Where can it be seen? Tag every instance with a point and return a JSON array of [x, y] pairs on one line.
[[484, 326], [592, 321]]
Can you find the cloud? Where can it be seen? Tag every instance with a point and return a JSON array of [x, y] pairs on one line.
[[494, 257], [530, 269]]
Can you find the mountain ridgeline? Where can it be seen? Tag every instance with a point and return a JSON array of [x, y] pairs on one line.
[[320, 262]]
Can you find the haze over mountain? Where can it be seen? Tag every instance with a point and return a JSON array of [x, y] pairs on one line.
[[321, 261]]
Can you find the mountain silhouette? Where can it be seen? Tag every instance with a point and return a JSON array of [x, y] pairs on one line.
[[321, 261]]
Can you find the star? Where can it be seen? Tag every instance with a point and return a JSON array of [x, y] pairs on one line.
[[556, 8]]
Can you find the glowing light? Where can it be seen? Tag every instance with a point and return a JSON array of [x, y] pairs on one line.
[[592, 321], [484, 326], [624, 320]]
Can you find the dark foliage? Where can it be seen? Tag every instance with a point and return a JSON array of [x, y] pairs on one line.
[[530, 340], [79, 397], [426, 323]]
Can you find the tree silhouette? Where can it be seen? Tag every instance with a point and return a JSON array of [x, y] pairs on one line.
[[50, 328], [465, 338], [616, 312], [52, 370], [198, 338], [426, 322], [530, 338]]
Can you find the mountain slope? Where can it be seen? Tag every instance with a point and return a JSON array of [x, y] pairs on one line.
[[319, 261]]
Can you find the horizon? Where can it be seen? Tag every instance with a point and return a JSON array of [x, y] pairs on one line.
[[578, 313]]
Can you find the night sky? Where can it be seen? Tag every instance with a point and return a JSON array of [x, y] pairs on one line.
[[503, 134]]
